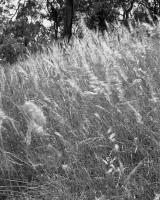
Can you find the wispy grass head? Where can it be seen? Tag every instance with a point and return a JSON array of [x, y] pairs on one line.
[[34, 113]]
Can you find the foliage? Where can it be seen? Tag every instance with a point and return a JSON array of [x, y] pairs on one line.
[[25, 22], [25, 27]]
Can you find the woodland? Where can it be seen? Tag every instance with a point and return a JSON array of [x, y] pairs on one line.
[[30, 24], [79, 100]]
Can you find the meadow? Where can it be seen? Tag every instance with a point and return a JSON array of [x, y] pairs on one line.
[[83, 122]]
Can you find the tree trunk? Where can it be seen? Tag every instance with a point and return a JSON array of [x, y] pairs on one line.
[[68, 18], [127, 10]]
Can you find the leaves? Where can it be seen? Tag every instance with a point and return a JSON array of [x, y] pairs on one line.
[[40, 22]]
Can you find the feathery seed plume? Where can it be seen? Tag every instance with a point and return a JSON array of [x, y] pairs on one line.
[[34, 113], [2, 116]]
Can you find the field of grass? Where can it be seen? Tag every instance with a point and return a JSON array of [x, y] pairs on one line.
[[83, 123]]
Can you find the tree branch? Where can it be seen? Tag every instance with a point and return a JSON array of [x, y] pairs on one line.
[[16, 10]]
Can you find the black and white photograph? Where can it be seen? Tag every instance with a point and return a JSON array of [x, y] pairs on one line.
[[79, 99]]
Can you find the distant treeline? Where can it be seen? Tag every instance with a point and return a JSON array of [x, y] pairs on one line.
[[26, 25]]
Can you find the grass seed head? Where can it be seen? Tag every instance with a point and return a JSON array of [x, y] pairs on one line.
[[34, 113], [2, 116]]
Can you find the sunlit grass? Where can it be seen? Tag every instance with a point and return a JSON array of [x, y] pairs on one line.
[[83, 122]]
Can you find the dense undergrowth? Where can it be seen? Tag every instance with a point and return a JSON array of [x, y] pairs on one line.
[[83, 123]]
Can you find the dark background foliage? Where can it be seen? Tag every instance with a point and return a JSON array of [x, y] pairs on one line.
[[26, 25]]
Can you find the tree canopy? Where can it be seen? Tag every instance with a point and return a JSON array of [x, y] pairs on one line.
[[27, 24]]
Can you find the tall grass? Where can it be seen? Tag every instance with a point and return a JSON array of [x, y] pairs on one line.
[[83, 123]]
